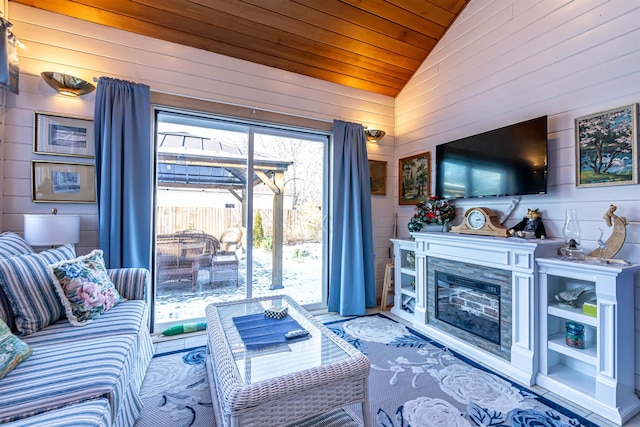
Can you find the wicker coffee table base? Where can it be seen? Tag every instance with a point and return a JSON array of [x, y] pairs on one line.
[[287, 399], [343, 417]]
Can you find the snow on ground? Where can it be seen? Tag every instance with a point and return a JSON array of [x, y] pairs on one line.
[[302, 281]]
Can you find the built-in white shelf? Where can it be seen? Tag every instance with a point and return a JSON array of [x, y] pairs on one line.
[[572, 313], [409, 291], [408, 271], [405, 275], [588, 354], [573, 379], [599, 377]]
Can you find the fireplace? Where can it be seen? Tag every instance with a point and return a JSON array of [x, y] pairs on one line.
[[471, 302], [468, 304], [507, 264]]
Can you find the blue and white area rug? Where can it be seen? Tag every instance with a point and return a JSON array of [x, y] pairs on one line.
[[416, 382], [175, 391]]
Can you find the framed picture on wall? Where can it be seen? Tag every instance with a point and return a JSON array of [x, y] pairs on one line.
[[607, 148], [63, 135], [378, 177], [414, 179], [63, 182]]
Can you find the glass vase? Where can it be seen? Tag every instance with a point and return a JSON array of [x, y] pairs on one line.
[[574, 335], [571, 229]]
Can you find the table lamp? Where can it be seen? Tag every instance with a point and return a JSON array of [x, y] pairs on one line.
[[51, 229]]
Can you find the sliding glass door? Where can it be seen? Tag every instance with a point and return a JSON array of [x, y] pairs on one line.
[[240, 213]]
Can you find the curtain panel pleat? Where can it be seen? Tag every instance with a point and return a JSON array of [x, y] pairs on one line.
[[124, 172], [352, 285]]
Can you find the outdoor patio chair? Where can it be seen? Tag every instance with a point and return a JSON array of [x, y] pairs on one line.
[[231, 239], [181, 255]]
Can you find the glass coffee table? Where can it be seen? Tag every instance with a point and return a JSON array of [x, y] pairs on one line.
[[283, 383]]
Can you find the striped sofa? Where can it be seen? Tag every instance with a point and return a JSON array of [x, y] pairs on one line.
[[80, 376]]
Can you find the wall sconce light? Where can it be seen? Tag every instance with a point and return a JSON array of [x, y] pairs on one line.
[[67, 85], [374, 135]]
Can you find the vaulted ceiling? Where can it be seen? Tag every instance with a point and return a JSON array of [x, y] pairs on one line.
[[375, 45]]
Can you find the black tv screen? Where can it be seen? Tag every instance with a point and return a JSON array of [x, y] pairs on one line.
[[503, 162]]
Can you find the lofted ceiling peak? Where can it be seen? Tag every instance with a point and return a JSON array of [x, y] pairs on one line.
[[374, 45]]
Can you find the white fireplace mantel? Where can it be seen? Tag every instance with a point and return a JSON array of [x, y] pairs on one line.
[[517, 255]]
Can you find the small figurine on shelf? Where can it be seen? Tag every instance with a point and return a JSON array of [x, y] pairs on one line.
[[530, 226], [570, 297], [609, 248], [411, 259], [602, 245]]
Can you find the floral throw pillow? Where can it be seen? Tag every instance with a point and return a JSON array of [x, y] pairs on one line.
[[12, 350], [84, 287]]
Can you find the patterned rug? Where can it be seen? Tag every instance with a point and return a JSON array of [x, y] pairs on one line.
[[414, 382], [175, 391]]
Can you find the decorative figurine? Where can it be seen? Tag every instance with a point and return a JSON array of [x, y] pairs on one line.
[[411, 259], [569, 297], [531, 225], [609, 248], [602, 246]]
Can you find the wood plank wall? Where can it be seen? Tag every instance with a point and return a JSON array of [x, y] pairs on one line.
[[57, 43], [505, 61]]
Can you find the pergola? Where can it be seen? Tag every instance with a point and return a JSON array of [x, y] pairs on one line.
[[189, 161]]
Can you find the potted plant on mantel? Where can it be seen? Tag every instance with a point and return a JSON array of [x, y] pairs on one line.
[[433, 214]]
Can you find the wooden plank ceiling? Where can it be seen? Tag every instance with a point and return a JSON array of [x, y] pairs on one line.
[[375, 45]]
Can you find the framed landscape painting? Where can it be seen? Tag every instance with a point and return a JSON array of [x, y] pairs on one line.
[[62, 135], [607, 148], [63, 182], [378, 177], [414, 179]]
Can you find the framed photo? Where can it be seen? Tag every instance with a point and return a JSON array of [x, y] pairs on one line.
[[63, 182], [65, 136], [414, 179], [607, 148], [378, 177]]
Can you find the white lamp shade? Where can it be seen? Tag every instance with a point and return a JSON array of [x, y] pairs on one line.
[[51, 230]]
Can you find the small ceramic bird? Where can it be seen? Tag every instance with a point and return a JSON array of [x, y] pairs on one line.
[[602, 244]]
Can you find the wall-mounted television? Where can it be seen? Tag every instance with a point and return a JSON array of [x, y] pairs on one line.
[[508, 161]]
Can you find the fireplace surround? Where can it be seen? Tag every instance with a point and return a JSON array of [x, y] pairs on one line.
[[507, 263]]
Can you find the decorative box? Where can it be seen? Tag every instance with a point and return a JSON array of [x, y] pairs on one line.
[[276, 312], [590, 308]]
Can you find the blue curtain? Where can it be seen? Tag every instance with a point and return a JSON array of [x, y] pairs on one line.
[[352, 285], [9, 70], [123, 168]]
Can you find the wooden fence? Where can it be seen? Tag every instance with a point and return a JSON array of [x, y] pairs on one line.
[[300, 225]]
